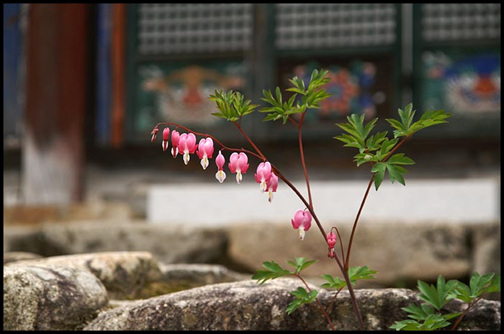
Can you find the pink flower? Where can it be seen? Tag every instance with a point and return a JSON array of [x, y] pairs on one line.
[[154, 133], [272, 185], [187, 145], [302, 221], [331, 241], [219, 161], [175, 141], [205, 151], [238, 163], [263, 174], [166, 134]]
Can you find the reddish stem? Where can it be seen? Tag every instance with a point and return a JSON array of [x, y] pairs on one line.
[[354, 227], [303, 162], [318, 302]]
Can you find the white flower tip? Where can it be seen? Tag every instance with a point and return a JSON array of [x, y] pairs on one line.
[[301, 234], [187, 157], [174, 151], [220, 176], [270, 196], [263, 186], [238, 177], [204, 163]]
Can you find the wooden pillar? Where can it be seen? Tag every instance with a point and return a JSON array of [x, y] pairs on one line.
[[56, 78], [118, 73]]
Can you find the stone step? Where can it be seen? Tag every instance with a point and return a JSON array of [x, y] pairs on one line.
[[447, 200]]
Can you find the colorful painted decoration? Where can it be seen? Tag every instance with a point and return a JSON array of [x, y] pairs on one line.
[[181, 94], [462, 84], [350, 89]]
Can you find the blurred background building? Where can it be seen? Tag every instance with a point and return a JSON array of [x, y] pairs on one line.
[[84, 84]]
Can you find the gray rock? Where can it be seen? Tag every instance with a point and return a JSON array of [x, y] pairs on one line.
[[19, 256], [170, 244], [186, 276], [22, 239], [50, 297], [487, 248], [245, 305], [399, 251], [126, 275]]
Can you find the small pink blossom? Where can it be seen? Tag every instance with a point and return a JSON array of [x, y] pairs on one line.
[[175, 141], [220, 161], [263, 174], [238, 163], [166, 134], [205, 151], [272, 185], [187, 145], [302, 222], [154, 134], [331, 241]]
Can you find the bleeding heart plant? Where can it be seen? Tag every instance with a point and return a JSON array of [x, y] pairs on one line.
[[378, 150]]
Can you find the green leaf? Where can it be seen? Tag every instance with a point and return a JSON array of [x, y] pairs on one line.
[[301, 297], [357, 273], [231, 105], [430, 323], [373, 142], [395, 172], [273, 270], [406, 127], [364, 157], [294, 305], [300, 264], [379, 170], [437, 296], [418, 312], [406, 325], [333, 282], [478, 285], [494, 285], [400, 159]]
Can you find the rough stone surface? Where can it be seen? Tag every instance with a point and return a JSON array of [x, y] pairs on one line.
[[399, 252], [185, 276], [126, 275], [487, 248], [246, 305], [170, 244], [50, 297]]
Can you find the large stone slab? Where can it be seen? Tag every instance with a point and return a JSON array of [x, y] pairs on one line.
[[50, 297], [400, 252], [170, 244], [19, 256], [125, 275], [246, 305]]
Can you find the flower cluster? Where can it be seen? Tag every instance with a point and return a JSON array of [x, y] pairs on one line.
[[267, 179], [185, 144]]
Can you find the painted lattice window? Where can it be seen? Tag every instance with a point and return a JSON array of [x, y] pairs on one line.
[[300, 26], [460, 21], [166, 29]]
